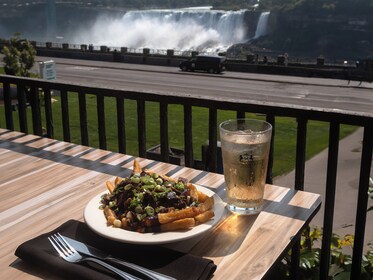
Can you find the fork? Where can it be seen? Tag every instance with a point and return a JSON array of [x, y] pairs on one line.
[[69, 254]]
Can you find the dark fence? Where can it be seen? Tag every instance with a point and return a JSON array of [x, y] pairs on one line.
[[28, 91]]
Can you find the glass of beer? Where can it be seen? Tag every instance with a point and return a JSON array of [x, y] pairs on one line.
[[245, 145]]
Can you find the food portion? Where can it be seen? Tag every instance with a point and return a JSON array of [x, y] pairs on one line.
[[151, 202]]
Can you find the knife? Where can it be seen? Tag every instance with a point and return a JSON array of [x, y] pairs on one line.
[[96, 253]]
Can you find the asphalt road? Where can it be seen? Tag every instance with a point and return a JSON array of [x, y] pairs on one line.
[[314, 92]]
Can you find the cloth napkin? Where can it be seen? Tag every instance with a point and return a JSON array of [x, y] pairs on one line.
[[39, 252]]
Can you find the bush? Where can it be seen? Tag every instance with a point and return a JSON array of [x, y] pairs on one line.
[[19, 56]]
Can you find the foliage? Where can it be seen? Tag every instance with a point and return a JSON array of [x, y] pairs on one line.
[[19, 56], [340, 262], [337, 6]]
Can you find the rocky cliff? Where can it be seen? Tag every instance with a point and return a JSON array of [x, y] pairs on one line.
[[307, 36]]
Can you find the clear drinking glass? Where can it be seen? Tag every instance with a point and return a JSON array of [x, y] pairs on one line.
[[245, 147]]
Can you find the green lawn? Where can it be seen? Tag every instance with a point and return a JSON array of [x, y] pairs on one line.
[[285, 134]]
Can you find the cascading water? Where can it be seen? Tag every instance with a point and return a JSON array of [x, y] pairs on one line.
[[261, 29], [185, 29]]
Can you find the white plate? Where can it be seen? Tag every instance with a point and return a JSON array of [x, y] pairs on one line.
[[95, 219]]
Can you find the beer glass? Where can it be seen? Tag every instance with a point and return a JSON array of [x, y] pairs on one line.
[[245, 145]]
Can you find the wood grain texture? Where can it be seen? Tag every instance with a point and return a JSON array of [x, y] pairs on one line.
[[44, 183]]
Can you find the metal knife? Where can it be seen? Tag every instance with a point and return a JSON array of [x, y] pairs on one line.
[[96, 253]]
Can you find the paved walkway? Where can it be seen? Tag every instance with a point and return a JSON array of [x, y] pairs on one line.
[[347, 185]]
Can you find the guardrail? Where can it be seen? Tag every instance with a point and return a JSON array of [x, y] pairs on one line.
[[250, 63], [213, 105]]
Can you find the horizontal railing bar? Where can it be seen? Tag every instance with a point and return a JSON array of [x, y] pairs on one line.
[[287, 110]]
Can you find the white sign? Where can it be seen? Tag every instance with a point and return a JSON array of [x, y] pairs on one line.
[[47, 70]]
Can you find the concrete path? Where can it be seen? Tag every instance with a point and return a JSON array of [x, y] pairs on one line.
[[347, 185]]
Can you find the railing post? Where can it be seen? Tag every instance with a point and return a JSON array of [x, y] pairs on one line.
[[188, 136], [240, 114], [22, 107], [362, 203], [36, 114], [299, 185], [300, 154], [331, 180], [101, 121], [83, 119], [269, 179], [212, 164], [141, 130], [163, 114], [121, 125], [48, 112], [65, 116], [8, 106]]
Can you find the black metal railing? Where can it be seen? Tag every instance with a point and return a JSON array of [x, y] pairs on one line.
[[335, 119]]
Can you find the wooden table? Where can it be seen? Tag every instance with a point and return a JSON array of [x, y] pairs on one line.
[[45, 182]]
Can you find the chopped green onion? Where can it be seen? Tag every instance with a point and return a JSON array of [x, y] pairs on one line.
[[149, 210]]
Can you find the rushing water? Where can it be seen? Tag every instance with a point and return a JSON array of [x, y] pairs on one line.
[[262, 26], [168, 29], [200, 29]]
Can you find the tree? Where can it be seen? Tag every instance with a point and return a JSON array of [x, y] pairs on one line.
[[19, 56]]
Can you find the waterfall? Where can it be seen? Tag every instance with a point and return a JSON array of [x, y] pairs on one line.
[[261, 28], [183, 29]]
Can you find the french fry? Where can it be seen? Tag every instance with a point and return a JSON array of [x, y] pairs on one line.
[[204, 217], [207, 205], [117, 181], [202, 196], [110, 186], [136, 167], [166, 178], [178, 225], [193, 191], [110, 215], [190, 212]]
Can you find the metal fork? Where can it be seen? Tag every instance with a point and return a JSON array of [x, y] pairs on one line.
[[69, 254]]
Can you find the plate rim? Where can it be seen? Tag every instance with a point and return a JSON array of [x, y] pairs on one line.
[[92, 209]]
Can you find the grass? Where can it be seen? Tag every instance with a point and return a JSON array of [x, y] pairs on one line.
[[285, 134]]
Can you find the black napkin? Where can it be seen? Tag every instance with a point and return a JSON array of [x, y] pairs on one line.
[[39, 252]]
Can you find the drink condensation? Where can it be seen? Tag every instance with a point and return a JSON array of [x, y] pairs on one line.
[[245, 160]]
